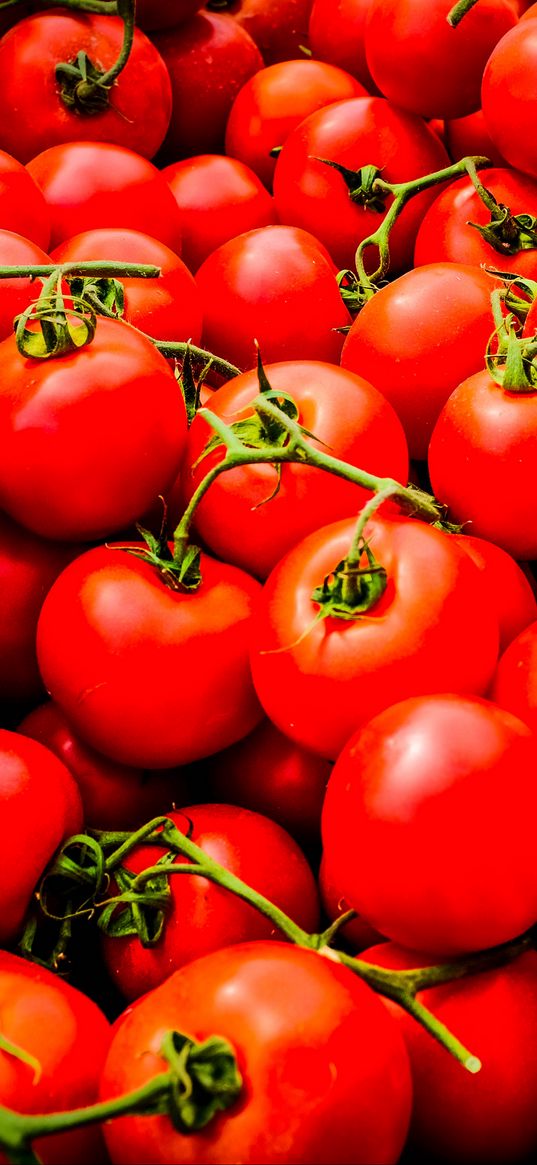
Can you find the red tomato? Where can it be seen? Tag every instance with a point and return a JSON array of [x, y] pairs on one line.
[[359, 132], [515, 682], [432, 630], [71, 468], [156, 14], [325, 1071], [68, 1036], [17, 294], [208, 58], [278, 285], [269, 773], [419, 337], [274, 101], [423, 772], [22, 206], [218, 198], [481, 427], [457, 1117], [508, 585], [97, 184], [280, 29], [469, 137], [40, 808], [29, 54], [167, 308], [148, 675], [346, 415], [114, 796], [420, 62], [336, 34], [203, 916], [508, 96], [448, 232]]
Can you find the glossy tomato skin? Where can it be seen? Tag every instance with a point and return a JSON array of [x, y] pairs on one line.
[[99, 184], [337, 33], [403, 39], [508, 583], [203, 916], [358, 132], [308, 1097], [70, 470], [168, 307], [319, 679], [419, 337], [457, 1117], [481, 427], [508, 96], [69, 1036], [148, 675], [23, 209], [41, 807], [469, 137], [423, 772], [274, 101], [276, 285], [208, 58], [29, 53], [218, 198], [17, 294], [345, 414], [279, 29], [447, 233], [515, 682]]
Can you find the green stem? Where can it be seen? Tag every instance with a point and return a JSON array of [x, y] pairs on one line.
[[354, 556], [126, 10], [102, 269], [459, 11]]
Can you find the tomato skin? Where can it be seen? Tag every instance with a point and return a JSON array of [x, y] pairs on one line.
[[29, 53], [446, 232], [409, 643], [148, 675], [468, 136], [480, 427], [343, 411], [278, 285], [279, 29], [69, 1036], [167, 308], [419, 337], [508, 584], [204, 917], [41, 807], [357, 132], [402, 38], [63, 420], [23, 209], [218, 198], [424, 771], [274, 101], [157, 14], [337, 33], [494, 1013], [307, 1096], [508, 96], [515, 682], [99, 184]]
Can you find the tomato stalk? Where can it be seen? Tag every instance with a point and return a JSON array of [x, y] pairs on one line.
[[459, 11], [84, 87], [104, 7]]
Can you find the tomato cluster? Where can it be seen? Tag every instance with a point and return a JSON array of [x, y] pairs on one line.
[[268, 533]]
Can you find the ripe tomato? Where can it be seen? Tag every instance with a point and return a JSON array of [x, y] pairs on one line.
[[156, 14], [148, 675], [432, 630], [98, 184], [420, 62], [469, 137], [29, 53], [17, 294], [325, 1072], [71, 468], [481, 427], [167, 308], [204, 916], [279, 29], [508, 96], [336, 34], [456, 1117], [424, 771], [278, 285], [355, 133], [40, 808], [274, 101], [68, 1036], [218, 198], [22, 206], [515, 682], [508, 585], [419, 337]]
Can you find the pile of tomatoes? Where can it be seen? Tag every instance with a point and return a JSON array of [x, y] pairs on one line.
[[268, 533]]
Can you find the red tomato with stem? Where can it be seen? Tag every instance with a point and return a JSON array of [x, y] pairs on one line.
[[508, 96], [68, 1037], [418, 337], [276, 285], [425, 771], [508, 584], [337, 34], [17, 294], [23, 209], [433, 629], [29, 54], [279, 29], [238, 518], [149, 675], [515, 681], [325, 1072], [203, 916]]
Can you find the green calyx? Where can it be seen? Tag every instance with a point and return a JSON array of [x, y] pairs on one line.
[[206, 1080], [361, 184], [83, 87], [351, 589], [509, 233]]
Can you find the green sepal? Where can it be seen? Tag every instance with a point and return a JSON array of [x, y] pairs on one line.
[[58, 334], [106, 293], [509, 233], [351, 590], [360, 184], [206, 1080], [81, 88], [138, 912]]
